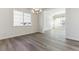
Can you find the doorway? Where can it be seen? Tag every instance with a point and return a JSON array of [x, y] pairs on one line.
[[54, 23]]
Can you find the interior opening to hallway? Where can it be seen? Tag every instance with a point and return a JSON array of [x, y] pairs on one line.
[[54, 22]]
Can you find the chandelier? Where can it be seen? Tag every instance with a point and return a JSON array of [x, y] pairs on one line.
[[36, 10]]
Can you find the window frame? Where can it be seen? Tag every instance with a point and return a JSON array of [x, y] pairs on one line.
[[23, 20]]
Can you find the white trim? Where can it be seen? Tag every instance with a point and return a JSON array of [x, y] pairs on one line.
[[73, 38]]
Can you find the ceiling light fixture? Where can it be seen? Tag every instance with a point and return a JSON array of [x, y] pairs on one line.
[[36, 10]]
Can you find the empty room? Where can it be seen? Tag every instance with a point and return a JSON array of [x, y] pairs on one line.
[[39, 29]]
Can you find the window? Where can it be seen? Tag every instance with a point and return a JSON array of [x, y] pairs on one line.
[[22, 19], [59, 21], [27, 19]]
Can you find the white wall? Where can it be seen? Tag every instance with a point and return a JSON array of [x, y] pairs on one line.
[[72, 23], [6, 24], [40, 21]]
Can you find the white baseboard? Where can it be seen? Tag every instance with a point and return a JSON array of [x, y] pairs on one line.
[[11, 36], [72, 38]]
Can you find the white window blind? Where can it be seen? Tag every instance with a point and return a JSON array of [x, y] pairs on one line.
[[22, 18], [27, 19]]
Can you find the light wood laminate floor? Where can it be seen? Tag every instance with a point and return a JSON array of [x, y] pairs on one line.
[[49, 41]]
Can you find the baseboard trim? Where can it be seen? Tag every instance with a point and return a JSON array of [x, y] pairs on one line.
[[21, 35], [72, 39]]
